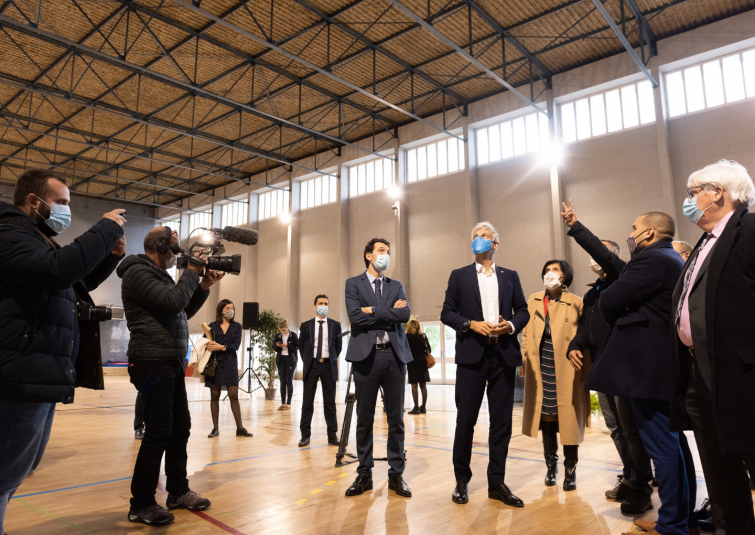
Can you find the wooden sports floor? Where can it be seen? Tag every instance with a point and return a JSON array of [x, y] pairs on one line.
[[266, 484]]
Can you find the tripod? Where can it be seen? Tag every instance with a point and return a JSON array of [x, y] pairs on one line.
[[250, 371]]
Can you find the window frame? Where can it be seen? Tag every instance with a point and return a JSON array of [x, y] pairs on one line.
[[356, 165], [205, 211], [425, 146], [520, 117], [261, 204], [313, 180], [231, 202]]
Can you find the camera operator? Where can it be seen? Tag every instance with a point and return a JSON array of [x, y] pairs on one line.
[[157, 309], [38, 326]]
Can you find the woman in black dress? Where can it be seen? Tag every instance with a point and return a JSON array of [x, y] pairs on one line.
[[226, 334], [417, 368]]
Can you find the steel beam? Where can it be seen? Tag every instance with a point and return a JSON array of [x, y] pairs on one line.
[[469, 57], [622, 38], [645, 28]]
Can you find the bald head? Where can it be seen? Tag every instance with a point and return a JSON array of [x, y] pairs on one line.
[[661, 222], [683, 248], [154, 237]]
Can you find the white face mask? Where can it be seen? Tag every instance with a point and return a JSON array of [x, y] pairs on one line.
[[595, 267], [551, 280], [228, 314], [170, 264]]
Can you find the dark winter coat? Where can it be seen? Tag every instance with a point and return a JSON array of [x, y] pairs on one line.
[[38, 304], [157, 309]]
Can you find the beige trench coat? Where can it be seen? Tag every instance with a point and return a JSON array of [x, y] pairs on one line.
[[572, 398]]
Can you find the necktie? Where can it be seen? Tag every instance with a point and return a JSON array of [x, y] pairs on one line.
[[688, 278], [319, 340], [379, 299]]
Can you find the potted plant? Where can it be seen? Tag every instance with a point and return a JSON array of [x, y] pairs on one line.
[[263, 339]]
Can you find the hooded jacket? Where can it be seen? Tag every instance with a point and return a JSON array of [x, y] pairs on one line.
[[157, 309], [38, 304]]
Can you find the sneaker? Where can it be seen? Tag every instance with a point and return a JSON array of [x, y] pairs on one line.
[[619, 492], [637, 502], [154, 515], [191, 501], [139, 434]]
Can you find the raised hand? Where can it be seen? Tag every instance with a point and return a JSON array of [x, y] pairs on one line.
[[568, 215]]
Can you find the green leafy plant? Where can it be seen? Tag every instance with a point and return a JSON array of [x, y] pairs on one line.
[[263, 339], [595, 409]]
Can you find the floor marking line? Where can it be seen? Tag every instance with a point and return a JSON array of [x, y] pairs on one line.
[[218, 523], [301, 501], [59, 519]]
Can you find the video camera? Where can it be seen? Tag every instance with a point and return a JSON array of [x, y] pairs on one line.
[[214, 250]]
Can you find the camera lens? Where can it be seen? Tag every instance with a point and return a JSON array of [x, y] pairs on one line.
[[228, 264], [101, 313]]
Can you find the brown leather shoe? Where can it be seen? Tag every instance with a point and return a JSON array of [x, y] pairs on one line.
[[645, 525]]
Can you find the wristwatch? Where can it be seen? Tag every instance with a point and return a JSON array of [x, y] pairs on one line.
[[465, 328]]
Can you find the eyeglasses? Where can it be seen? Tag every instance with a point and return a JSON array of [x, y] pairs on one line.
[[694, 191]]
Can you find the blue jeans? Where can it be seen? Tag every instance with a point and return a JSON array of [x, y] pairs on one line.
[[673, 466], [24, 433], [286, 373]]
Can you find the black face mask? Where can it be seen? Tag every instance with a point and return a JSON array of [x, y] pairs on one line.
[[632, 242]]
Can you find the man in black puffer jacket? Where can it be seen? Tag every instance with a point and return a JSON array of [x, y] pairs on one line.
[[38, 325], [157, 309]]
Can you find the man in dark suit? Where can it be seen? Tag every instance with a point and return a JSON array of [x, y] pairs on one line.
[[320, 344], [379, 351], [713, 360], [486, 307], [633, 488], [635, 358]]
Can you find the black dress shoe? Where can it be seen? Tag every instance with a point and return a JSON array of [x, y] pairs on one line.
[[460, 494], [415, 410], [359, 486], [243, 433], [333, 441], [638, 502], [397, 484], [706, 525], [214, 433], [304, 442], [502, 493]]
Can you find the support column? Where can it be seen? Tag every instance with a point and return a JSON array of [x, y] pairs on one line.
[[400, 249], [669, 201], [559, 239], [343, 238], [292, 254], [472, 213]]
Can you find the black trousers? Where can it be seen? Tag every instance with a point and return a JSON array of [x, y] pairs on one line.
[[611, 418], [167, 426], [323, 372], [470, 389], [725, 475], [139, 411], [381, 368], [641, 473]]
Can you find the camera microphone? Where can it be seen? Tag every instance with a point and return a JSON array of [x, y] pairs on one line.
[[237, 235]]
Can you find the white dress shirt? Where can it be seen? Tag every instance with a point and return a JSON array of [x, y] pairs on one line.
[[488, 283], [325, 340], [385, 339], [284, 339]]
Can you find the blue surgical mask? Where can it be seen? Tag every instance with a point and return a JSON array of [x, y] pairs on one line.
[[481, 245], [691, 210], [322, 311], [382, 263], [60, 217]]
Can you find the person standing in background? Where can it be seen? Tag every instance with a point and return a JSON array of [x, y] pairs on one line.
[[286, 345], [417, 368], [226, 340], [683, 248], [320, 344], [486, 307], [554, 395]]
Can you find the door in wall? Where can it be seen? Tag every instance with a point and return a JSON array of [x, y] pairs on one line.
[[443, 344]]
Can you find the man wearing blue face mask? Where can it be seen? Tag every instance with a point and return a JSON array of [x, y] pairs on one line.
[[379, 351], [319, 344], [486, 307], [713, 361], [38, 322]]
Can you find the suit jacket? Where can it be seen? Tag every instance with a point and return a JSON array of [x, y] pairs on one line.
[[722, 317], [307, 347], [635, 357], [463, 302], [364, 327], [293, 344]]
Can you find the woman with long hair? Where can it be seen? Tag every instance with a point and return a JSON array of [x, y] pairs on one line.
[[554, 394], [417, 368], [226, 339]]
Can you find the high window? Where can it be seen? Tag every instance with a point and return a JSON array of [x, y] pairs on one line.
[[272, 204], [528, 133], [610, 111], [434, 159], [199, 220], [234, 214], [318, 191], [710, 84], [371, 176]]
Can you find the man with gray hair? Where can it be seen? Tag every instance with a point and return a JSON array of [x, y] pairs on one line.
[[713, 362], [683, 248], [486, 307]]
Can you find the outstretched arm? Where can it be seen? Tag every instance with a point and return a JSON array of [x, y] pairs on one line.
[[611, 264]]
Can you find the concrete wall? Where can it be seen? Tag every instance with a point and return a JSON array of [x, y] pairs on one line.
[[612, 180]]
